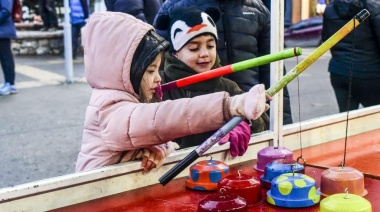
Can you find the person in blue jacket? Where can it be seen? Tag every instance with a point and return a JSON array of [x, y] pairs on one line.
[[355, 60], [79, 13], [244, 33], [7, 32], [144, 10]]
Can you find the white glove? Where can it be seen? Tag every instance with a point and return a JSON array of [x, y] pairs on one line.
[[251, 104]]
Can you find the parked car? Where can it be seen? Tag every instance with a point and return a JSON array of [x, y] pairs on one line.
[[304, 33]]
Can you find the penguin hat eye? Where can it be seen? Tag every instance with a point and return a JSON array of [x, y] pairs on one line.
[[177, 30]]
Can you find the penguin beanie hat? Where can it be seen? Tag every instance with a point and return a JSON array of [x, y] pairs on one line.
[[184, 24]]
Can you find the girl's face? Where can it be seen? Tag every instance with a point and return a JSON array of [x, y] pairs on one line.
[[151, 79], [199, 54]]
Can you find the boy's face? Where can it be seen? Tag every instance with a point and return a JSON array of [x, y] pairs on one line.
[[199, 54], [151, 79]]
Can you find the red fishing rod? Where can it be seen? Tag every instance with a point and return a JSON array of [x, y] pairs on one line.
[[228, 69]]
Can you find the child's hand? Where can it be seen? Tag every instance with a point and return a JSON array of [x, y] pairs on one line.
[[239, 139], [148, 160], [154, 156]]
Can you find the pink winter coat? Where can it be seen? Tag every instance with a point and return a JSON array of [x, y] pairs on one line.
[[117, 125]]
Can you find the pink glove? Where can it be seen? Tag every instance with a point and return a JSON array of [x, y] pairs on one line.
[[239, 139], [250, 105], [159, 93]]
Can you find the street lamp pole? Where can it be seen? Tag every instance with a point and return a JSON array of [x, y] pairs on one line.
[[68, 44]]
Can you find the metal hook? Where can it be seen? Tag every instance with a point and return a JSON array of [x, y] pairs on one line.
[[346, 190], [292, 168], [342, 165], [303, 159], [222, 190], [209, 161]]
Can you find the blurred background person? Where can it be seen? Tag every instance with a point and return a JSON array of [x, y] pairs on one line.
[[356, 57], [144, 10], [79, 13], [48, 15], [7, 32], [321, 6], [288, 8]]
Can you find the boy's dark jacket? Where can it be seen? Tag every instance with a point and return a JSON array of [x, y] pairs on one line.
[[175, 69], [144, 10]]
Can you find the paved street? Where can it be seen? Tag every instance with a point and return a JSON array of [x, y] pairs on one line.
[[41, 127]]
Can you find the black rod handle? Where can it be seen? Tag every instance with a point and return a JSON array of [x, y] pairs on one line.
[[168, 176], [200, 150]]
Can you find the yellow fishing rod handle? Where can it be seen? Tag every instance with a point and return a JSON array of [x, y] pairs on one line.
[[318, 52]]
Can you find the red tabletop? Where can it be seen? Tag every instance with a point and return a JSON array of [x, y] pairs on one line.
[[176, 197]]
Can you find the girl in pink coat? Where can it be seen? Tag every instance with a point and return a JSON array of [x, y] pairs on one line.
[[123, 122]]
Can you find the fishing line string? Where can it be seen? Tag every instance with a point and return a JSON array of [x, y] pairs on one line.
[[299, 110], [349, 94]]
